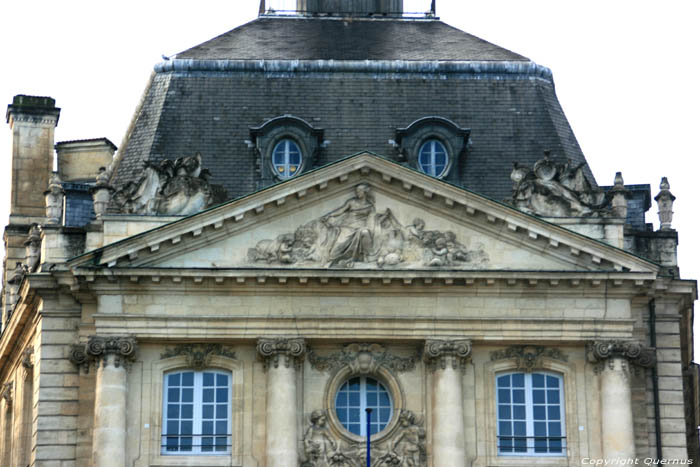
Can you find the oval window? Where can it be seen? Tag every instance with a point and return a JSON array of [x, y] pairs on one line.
[[286, 158], [356, 395], [433, 158]]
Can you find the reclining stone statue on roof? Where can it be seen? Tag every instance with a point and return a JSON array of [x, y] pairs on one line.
[[178, 188]]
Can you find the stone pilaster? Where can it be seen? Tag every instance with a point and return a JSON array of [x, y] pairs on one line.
[[617, 424], [111, 355], [282, 358], [447, 359]]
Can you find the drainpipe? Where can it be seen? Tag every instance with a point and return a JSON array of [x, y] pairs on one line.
[[655, 379]]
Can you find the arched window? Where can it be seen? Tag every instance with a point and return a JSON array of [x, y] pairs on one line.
[[433, 158], [530, 414], [196, 413], [356, 395], [286, 158]]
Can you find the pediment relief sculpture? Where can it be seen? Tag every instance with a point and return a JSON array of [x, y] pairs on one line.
[[199, 356], [178, 188], [356, 235], [551, 189], [405, 448], [362, 359], [528, 357]]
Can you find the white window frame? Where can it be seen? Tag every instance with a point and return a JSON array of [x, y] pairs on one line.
[[286, 174], [529, 416], [197, 418], [431, 166], [363, 404]]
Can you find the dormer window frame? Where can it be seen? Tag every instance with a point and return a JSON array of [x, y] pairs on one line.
[[410, 141], [269, 135]]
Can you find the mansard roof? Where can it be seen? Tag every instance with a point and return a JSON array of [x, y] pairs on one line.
[[294, 38], [359, 81]]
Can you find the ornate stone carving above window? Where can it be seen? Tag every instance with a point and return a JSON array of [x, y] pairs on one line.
[[362, 359], [405, 447], [266, 137], [178, 188], [528, 357], [356, 234], [199, 356], [552, 189], [410, 144]]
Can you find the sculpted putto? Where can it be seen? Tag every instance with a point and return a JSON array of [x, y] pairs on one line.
[[355, 234]]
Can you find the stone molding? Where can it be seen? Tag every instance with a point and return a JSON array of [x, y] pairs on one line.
[[362, 358], [632, 351], [98, 348], [528, 357], [199, 356], [289, 350], [6, 393], [438, 354]]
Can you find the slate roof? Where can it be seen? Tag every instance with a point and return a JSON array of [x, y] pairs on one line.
[[200, 105], [285, 38]]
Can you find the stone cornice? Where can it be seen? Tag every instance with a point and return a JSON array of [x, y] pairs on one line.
[[634, 352], [441, 354], [285, 351]]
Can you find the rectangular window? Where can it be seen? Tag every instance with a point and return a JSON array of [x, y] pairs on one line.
[[530, 415], [196, 413]]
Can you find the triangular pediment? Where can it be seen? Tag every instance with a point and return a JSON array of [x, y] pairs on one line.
[[364, 213]]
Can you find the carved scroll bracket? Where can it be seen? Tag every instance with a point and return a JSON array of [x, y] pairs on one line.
[[199, 355], [362, 358], [288, 352], [439, 354], [528, 357], [6, 393]]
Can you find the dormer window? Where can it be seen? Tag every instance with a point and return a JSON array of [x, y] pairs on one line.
[[434, 145], [433, 158], [286, 158]]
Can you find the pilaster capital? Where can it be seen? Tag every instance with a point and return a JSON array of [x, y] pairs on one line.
[[632, 351], [290, 351], [438, 354], [99, 348]]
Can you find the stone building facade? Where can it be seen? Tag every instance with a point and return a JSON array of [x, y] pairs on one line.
[[296, 231]]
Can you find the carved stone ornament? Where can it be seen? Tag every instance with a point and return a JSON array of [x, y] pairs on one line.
[[33, 248], [28, 358], [6, 393], [362, 359], [290, 352], [199, 355], [101, 193], [355, 234], [405, 448], [528, 357], [99, 348], [54, 200], [177, 188], [14, 282], [634, 352], [439, 354], [665, 201], [558, 190]]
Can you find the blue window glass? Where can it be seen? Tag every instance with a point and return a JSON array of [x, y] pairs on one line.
[[193, 422], [433, 158], [286, 159], [530, 416], [356, 395]]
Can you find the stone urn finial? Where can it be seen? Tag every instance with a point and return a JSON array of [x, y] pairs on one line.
[[665, 202], [54, 200], [101, 193], [619, 197]]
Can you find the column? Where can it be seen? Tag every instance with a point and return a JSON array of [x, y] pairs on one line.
[[111, 354], [282, 358], [447, 360], [617, 424]]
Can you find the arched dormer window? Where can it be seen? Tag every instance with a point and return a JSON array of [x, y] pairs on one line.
[[287, 146], [433, 145]]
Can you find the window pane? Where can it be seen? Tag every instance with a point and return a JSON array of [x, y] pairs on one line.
[[354, 398], [504, 381], [538, 396], [173, 411], [552, 382], [537, 380], [221, 411], [207, 411], [553, 396], [222, 380], [504, 412], [187, 394], [503, 396], [188, 379], [174, 380], [173, 395], [518, 380], [519, 412], [553, 412], [504, 428], [538, 412], [221, 427], [187, 411], [208, 428], [519, 396], [222, 395], [208, 395], [208, 379], [186, 427]]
